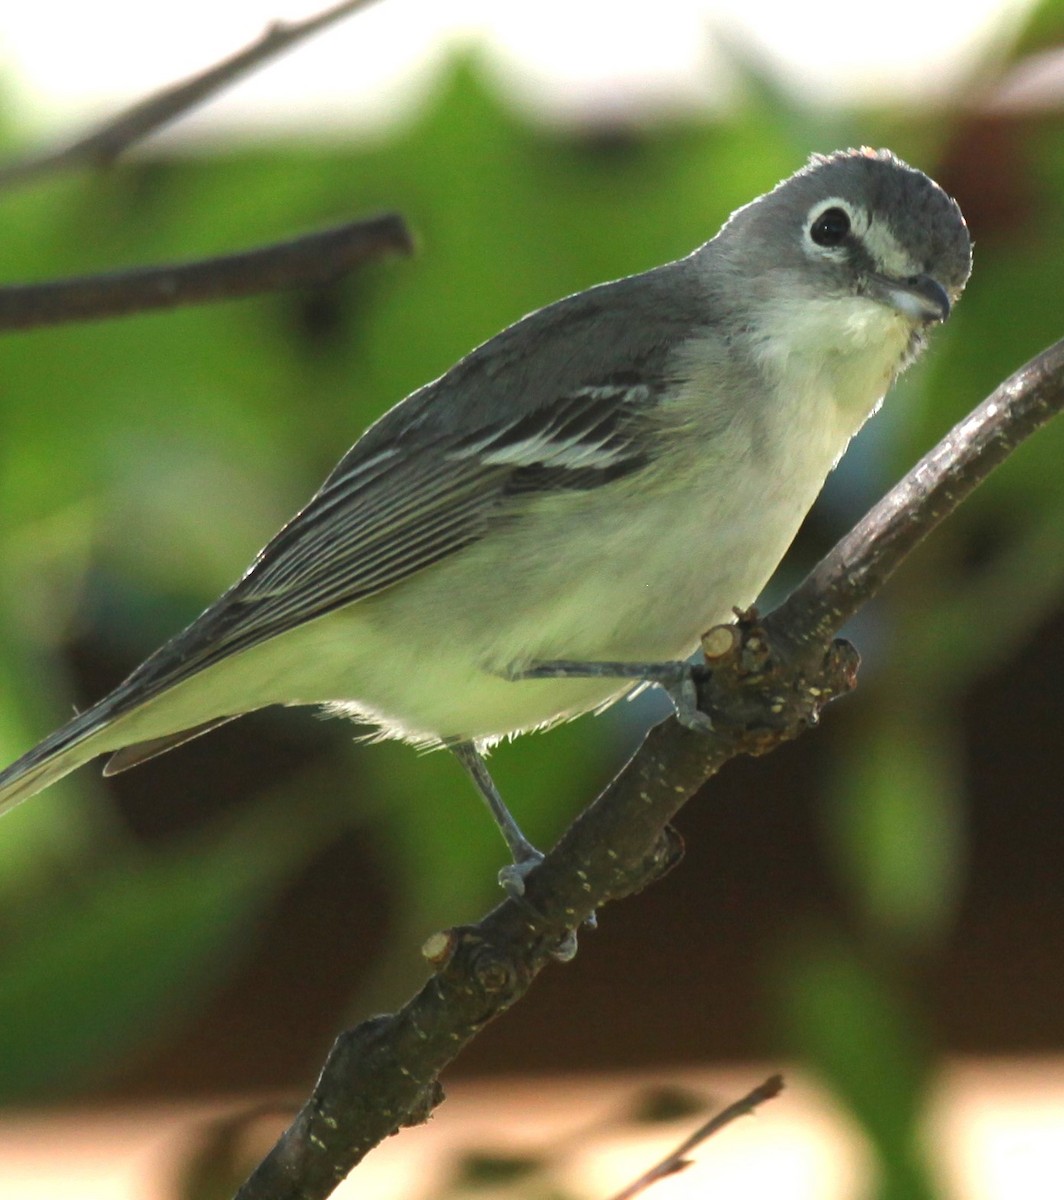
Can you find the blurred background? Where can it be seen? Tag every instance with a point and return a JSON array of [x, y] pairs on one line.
[[873, 901]]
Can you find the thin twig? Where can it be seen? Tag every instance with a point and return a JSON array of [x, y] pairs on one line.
[[383, 1074], [677, 1160], [313, 259], [102, 145]]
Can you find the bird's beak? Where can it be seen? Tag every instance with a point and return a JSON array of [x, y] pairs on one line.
[[920, 297]]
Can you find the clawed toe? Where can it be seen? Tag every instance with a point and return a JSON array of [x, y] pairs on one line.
[[684, 697], [512, 877]]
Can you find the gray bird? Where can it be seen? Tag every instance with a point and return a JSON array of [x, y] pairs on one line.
[[597, 484]]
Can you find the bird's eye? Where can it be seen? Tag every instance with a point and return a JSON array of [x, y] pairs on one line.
[[831, 227]]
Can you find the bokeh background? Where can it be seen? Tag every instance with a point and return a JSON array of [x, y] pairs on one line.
[[883, 894]]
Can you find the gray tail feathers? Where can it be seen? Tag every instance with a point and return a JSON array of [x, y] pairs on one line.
[[57, 755]]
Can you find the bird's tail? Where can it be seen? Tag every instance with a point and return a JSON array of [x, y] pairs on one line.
[[57, 755]]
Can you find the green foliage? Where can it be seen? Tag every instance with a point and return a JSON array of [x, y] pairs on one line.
[[895, 820], [860, 1036], [93, 970], [142, 462]]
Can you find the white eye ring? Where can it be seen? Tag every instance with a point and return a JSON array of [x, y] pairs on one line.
[[829, 224]]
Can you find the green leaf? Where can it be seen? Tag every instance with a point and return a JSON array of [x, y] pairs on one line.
[[895, 818], [104, 967], [851, 1026]]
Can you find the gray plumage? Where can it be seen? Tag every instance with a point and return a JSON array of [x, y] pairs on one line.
[[602, 480]]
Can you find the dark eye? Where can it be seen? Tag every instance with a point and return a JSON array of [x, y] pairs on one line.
[[830, 227]]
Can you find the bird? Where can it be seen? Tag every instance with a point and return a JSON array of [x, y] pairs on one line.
[[557, 519]]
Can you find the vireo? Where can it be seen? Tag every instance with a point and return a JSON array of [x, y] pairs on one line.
[[573, 503]]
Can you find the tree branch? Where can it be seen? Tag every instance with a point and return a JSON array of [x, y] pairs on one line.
[[101, 146], [677, 1159], [764, 682], [314, 258]]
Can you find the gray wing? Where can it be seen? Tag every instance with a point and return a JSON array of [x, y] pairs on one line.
[[433, 475], [397, 511]]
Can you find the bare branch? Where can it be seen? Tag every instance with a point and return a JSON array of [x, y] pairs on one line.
[[101, 146], [677, 1159], [764, 683], [314, 258]]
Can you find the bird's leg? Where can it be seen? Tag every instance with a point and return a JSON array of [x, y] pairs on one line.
[[525, 855], [676, 679]]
